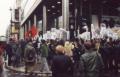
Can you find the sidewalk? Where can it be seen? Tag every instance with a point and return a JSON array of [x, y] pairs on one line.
[[22, 70], [16, 69]]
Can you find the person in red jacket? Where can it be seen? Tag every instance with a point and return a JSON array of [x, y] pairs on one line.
[[1, 58]]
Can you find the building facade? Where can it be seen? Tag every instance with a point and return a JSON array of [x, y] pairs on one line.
[[13, 29], [67, 14]]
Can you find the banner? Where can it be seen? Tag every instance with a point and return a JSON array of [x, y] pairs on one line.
[[34, 31]]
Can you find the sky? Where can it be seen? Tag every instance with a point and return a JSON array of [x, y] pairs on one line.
[[5, 15]]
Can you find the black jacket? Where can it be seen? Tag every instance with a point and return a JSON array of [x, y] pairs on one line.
[[62, 66], [9, 50], [77, 52]]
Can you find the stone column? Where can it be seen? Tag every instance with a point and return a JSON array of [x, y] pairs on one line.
[[25, 28], [21, 32], [29, 25], [35, 20], [90, 17], [65, 14], [100, 13], [24, 32], [57, 23], [44, 19], [80, 16]]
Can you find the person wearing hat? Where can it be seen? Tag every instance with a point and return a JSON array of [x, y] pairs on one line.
[[62, 64], [92, 61]]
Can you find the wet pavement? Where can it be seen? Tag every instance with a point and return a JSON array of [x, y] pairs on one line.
[[10, 71], [7, 73]]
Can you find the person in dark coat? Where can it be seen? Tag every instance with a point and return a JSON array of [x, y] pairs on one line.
[[9, 52], [111, 54], [23, 44], [18, 55], [116, 56], [62, 64], [78, 50], [104, 51], [78, 65], [51, 51]]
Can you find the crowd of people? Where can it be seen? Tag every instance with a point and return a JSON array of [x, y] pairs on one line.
[[67, 58]]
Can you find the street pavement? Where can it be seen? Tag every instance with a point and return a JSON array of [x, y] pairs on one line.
[[9, 73], [12, 73], [15, 74]]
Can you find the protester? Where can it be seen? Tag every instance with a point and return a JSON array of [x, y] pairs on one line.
[[30, 57], [44, 55], [104, 51], [92, 61], [22, 44], [68, 48], [62, 64], [9, 52], [18, 55], [51, 52], [78, 65], [14, 45], [111, 55], [116, 56], [65, 58], [1, 57], [78, 50]]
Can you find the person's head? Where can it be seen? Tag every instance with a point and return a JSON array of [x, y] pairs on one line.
[[76, 40], [67, 43], [103, 41], [110, 39], [30, 43], [40, 33], [10, 39], [88, 45], [52, 41], [43, 41], [61, 42], [60, 49]]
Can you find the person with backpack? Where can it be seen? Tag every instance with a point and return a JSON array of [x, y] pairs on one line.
[[30, 57]]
